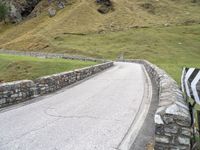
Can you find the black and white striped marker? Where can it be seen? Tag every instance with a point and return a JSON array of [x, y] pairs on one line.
[[190, 82]]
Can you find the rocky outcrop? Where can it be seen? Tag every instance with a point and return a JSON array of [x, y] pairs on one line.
[[19, 9], [28, 6]]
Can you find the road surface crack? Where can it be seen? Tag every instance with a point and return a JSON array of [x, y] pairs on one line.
[[76, 116]]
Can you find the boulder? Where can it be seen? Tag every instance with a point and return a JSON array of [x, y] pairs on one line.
[[104, 9], [52, 12], [61, 5], [105, 6]]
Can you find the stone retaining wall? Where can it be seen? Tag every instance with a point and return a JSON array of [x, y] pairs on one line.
[[50, 55], [15, 92], [172, 118]]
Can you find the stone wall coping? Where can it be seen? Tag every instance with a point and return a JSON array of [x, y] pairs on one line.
[[15, 82]]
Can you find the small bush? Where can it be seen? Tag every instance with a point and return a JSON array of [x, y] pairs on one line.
[[3, 11]]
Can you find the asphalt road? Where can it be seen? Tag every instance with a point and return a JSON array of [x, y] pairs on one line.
[[104, 112]]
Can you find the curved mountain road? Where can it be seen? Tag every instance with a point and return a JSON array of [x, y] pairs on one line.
[[104, 112]]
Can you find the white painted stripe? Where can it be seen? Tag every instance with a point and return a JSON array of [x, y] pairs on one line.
[[194, 88], [187, 76], [182, 80]]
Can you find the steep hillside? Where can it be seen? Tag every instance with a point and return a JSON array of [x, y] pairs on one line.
[[81, 16]]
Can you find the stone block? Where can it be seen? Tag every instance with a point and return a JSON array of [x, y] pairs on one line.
[[171, 128], [186, 131], [159, 129], [158, 119], [162, 139], [168, 119], [2, 101], [184, 140], [14, 95]]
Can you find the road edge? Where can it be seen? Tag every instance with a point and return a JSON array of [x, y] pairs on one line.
[[137, 123]]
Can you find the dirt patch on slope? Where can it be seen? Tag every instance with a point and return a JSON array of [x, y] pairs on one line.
[[149, 7]]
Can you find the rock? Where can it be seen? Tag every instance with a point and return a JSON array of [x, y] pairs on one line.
[[106, 6], [171, 129], [160, 110], [2, 101], [184, 140], [61, 5], [168, 119], [162, 139], [186, 131], [166, 25], [104, 9], [158, 119], [52, 12], [159, 129], [177, 110], [19, 9]]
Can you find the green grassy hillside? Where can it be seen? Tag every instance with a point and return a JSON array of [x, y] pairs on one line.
[[81, 16], [19, 67], [171, 48], [166, 32]]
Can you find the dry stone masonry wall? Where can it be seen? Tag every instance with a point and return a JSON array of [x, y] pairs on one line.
[[15, 92], [50, 55], [52, 83], [172, 118]]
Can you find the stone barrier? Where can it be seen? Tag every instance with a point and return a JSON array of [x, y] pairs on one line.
[[172, 118], [51, 55], [54, 82], [19, 91], [14, 92]]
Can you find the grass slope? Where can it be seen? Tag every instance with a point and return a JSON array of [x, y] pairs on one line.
[[81, 16], [171, 48], [19, 67]]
